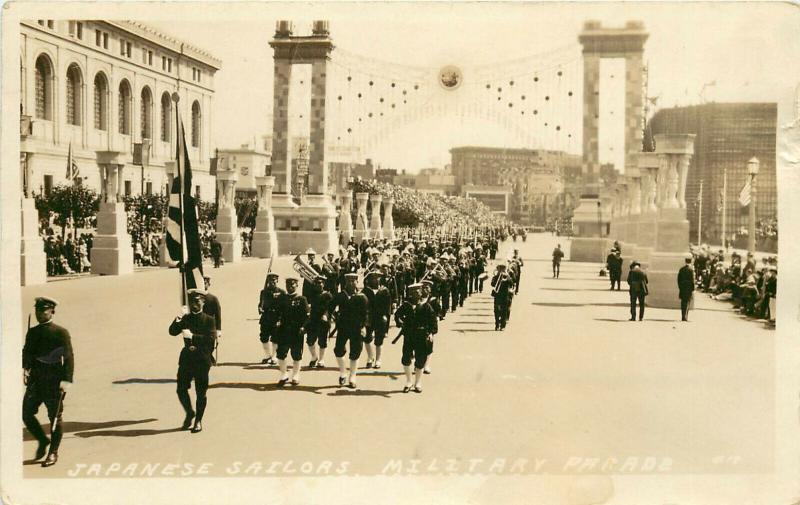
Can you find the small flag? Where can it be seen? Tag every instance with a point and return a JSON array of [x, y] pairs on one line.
[[73, 172], [183, 237], [744, 194]]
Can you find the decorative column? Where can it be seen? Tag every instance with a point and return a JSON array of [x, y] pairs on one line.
[[634, 206], [265, 240], [362, 231], [163, 253], [33, 260], [227, 227], [625, 222], [388, 220], [375, 227], [112, 253], [646, 228], [345, 219], [672, 239]]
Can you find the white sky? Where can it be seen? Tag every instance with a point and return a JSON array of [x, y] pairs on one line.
[[751, 51]]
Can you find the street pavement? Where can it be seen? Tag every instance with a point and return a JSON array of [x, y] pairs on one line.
[[571, 386]]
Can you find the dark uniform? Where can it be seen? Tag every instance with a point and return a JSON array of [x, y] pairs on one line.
[[214, 309], [48, 359], [269, 308], [685, 289], [319, 323], [351, 312], [294, 311], [195, 360], [419, 323], [502, 287], [637, 288], [557, 255], [614, 263]]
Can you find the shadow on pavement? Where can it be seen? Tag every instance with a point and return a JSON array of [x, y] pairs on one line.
[[565, 304], [128, 433], [364, 392], [577, 289], [474, 322], [74, 426], [627, 320], [270, 386], [475, 331], [136, 380]]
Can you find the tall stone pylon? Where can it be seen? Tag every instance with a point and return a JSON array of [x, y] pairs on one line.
[[227, 228], [112, 253], [388, 220], [345, 219], [375, 226], [672, 238], [362, 227], [265, 240]]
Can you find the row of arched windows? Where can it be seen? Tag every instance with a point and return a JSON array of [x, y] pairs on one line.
[[44, 103]]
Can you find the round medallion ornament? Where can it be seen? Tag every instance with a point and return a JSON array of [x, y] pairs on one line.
[[450, 77]]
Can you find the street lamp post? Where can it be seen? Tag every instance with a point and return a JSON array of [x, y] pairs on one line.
[[752, 171]]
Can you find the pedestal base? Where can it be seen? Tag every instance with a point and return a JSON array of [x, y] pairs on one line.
[[163, 254], [312, 224], [112, 253], [228, 235], [33, 260], [588, 250], [642, 255], [663, 284]]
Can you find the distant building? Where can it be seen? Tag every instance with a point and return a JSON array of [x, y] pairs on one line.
[[385, 175], [249, 162], [497, 198], [727, 136], [99, 86], [405, 179], [436, 180], [534, 176]]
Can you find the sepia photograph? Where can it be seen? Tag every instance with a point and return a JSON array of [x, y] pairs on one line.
[[400, 252]]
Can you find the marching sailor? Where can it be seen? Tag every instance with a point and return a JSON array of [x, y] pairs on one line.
[[380, 306], [319, 325], [419, 324], [350, 310], [502, 287], [213, 309], [48, 364], [199, 333], [291, 328], [268, 307]]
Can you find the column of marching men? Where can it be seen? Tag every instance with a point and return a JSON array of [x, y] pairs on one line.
[[413, 283]]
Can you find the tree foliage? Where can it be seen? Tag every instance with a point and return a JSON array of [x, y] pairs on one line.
[[65, 201]]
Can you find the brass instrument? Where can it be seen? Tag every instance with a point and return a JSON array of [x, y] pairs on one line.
[[305, 270], [437, 267]]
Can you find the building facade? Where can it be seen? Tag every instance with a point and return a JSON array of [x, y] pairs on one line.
[[533, 176], [248, 162], [727, 136], [93, 86]]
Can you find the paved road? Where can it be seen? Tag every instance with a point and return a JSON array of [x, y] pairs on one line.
[[570, 386]]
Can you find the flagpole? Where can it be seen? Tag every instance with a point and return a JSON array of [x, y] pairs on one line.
[[724, 204], [700, 215], [181, 270]]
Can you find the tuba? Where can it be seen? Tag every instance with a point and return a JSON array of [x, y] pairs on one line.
[[305, 270]]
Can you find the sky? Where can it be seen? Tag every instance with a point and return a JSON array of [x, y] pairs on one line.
[[695, 52]]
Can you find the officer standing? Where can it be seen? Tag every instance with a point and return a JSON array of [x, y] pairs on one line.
[[502, 287], [268, 307], [557, 255], [637, 288], [614, 265], [685, 287], [517, 259], [294, 312], [199, 336], [48, 364], [419, 324], [351, 310], [213, 309], [319, 325], [380, 306]]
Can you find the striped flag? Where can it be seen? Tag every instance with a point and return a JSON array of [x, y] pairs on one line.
[[73, 172], [744, 194], [183, 237]]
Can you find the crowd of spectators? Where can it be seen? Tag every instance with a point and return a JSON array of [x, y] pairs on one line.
[[748, 284], [66, 254], [413, 208]]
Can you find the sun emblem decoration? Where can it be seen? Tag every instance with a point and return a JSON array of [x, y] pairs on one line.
[[450, 77]]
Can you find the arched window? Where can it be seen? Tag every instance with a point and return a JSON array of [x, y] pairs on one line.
[[74, 85], [124, 109], [44, 88], [146, 113], [195, 124], [166, 114], [100, 102]]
